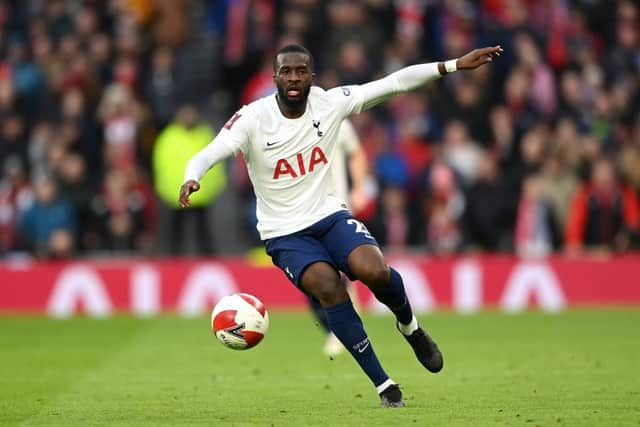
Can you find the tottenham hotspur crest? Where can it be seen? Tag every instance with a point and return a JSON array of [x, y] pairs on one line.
[[316, 124]]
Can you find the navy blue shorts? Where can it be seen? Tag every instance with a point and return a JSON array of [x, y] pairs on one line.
[[330, 240]]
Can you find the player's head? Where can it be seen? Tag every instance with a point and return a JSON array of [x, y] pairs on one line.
[[293, 74]]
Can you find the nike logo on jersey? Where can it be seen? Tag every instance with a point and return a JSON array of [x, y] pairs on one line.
[[271, 144]]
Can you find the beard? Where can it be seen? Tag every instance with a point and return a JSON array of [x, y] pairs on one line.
[[294, 104]]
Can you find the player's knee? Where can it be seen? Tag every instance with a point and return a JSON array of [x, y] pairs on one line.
[[376, 275], [368, 265], [332, 295], [329, 291], [324, 284]]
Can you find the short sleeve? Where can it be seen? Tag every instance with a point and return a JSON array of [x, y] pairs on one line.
[[235, 132], [348, 100]]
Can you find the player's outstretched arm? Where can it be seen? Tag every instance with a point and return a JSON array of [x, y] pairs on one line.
[[414, 76], [199, 164]]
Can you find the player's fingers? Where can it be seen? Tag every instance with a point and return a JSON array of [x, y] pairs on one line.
[[184, 196], [490, 50]]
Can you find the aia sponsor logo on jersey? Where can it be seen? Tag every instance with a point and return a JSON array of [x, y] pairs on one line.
[[299, 166]]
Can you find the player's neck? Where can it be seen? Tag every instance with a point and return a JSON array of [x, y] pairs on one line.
[[290, 111]]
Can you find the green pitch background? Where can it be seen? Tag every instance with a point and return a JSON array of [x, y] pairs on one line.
[[574, 368]]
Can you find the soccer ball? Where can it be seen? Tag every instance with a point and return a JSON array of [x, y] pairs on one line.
[[239, 321]]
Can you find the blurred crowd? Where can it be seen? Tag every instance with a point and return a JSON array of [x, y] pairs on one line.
[[102, 103]]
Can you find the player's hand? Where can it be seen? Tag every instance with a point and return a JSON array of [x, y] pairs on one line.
[[186, 190], [478, 57]]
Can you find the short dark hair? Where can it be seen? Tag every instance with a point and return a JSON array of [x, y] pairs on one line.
[[293, 48]]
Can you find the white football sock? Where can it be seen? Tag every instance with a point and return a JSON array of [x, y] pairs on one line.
[[382, 387], [410, 328]]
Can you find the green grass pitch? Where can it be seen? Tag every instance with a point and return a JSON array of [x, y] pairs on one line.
[[575, 368]]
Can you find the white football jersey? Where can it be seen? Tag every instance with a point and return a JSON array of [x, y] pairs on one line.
[[290, 161]]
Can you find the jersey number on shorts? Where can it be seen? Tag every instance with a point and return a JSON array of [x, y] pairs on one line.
[[360, 228]]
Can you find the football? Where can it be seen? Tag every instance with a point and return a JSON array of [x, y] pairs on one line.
[[239, 321]]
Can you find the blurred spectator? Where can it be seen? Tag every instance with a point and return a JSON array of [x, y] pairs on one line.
[[351, 39], [12, 138], [59, 22], [38, 146], [542, 83], [533, 148], [439, 225], [575, 102], [100, 51], [565, 138], [465, 98], [119, 213], [604, 214], [460, 151], [247, 30], [391, 223], [503, 137], [623, 57], [85, 23], [78, 120], [489, 212], [121, 116], [74, 183], [8, 102], [629, 159], [81, 74], [353, 66], [27, 77], [15, 197], [517, 101], [140, 184], [161, 90], [177, 143], [48, 225], [444, 233], [559, 184], [536, 233], [171, 23], [413, 122]]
